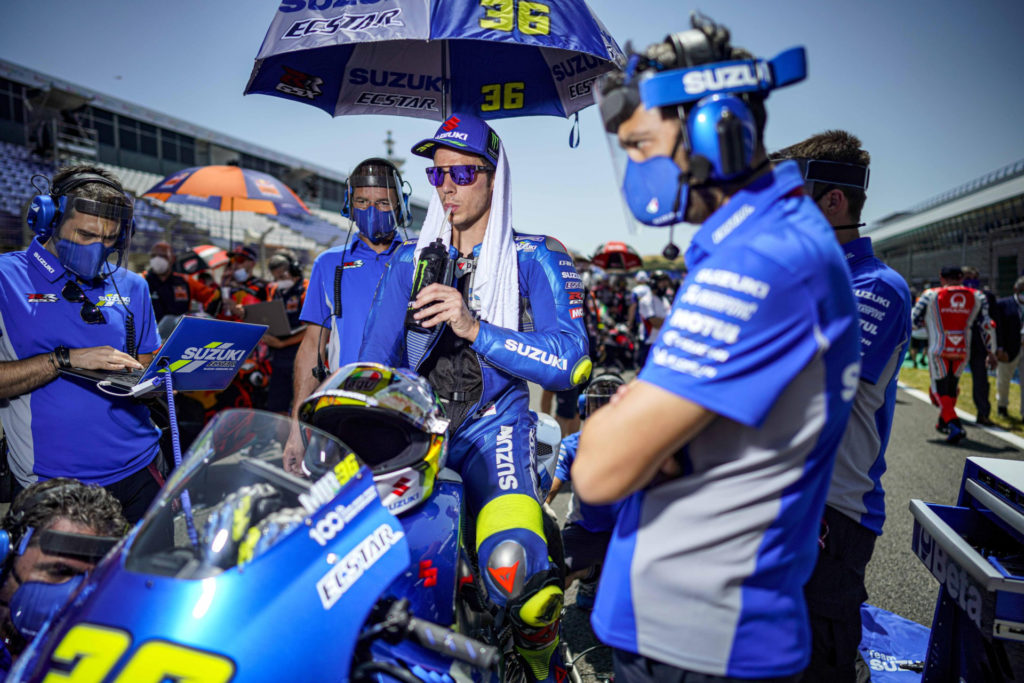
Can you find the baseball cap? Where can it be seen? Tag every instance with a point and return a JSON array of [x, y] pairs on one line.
[[951, 272], [463, 133], [247, 252]]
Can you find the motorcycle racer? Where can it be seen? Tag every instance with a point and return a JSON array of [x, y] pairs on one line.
[[948, 312], [514, 313]]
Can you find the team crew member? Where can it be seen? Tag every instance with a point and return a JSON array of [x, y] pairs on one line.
[[80, 523], [289, 286], [61, 305], [1009, 334], [835, 170], [508, 317], [344, 278], [948, 312], [243, 287], [588, 528], [173, 293], [724, 444]]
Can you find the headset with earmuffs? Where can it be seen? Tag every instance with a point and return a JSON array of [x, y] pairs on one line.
[[403, 216], [294, 267], [720, 135], [47, 210]]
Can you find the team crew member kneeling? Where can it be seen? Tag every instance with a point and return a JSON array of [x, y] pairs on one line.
[[63, 304], [724, 444], [511, 313]]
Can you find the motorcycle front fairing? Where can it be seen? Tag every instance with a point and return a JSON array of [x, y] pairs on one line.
[[239, 571]]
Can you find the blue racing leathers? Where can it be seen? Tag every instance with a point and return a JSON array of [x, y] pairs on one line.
[[485, 391]]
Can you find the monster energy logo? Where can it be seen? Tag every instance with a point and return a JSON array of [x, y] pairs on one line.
[[493, 145]]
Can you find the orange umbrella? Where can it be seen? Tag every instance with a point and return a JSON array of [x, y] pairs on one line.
[[228, 188]]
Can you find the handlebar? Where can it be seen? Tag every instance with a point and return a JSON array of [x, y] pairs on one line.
[[451, 644], [394, 623]]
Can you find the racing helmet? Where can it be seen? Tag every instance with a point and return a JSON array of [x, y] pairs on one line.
[[598, 392], [393, 421]]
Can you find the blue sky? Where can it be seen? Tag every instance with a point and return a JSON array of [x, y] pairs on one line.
[[932, 88]]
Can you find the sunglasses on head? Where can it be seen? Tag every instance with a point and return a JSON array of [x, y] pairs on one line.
[[90, 312], [461, 175]]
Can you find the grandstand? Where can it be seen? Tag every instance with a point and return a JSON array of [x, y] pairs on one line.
[[46, 123], [980, 223]]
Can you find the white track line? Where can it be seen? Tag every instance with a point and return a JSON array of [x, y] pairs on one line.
[[997, 432]]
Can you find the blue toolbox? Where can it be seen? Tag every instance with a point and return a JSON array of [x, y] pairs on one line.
[[975, 550]]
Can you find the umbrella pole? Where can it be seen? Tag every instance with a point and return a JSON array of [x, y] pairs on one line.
[[231, 226], [444, 80]]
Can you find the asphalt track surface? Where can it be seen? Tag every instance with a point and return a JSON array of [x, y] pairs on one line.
[[920, 465]]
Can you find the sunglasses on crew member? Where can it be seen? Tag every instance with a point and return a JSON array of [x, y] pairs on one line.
[[461, 175], [90, 312]]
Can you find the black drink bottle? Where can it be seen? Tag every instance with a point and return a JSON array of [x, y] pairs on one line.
[[432, 266]]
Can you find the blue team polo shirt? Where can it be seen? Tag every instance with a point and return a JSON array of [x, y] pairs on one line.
[[706, 571], [883, 302], [68, 427], [361, 270], [596, 518]]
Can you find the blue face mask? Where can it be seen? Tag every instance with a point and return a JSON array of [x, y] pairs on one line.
[[84, 260], [35, 602], [374, 224], [652, 189]]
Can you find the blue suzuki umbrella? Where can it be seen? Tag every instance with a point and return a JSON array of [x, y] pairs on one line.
[[427, 58]]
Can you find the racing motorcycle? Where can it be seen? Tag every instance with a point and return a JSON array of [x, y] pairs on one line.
[[243, 571]]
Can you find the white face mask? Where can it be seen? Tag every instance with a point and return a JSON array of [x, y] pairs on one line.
[[159, 265], [285, 285], [240, 274]]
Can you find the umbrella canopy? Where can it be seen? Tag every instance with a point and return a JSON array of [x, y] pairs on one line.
[[428, 58], [228, 188], [612, 255]]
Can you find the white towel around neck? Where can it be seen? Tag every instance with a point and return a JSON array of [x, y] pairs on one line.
[[496, 282]]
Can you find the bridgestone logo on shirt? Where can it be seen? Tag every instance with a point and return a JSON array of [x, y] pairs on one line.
[[336, 582], [503, 458], [705, 325], [696, 295]]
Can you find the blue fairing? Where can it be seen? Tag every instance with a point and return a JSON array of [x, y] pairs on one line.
[[432, 530], [268, 617]]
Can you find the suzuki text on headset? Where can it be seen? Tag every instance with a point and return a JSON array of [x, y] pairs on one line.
[[712, 96], [377, 200], [88, 230]]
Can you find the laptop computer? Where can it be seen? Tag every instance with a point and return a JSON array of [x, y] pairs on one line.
[[204, 354], [272, 314]]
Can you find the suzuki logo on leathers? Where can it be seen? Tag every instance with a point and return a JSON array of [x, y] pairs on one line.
[[537, 354], [503, 459]]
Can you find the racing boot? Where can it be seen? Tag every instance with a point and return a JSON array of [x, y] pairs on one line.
[[942, 426], [536, 620], [956, 432]]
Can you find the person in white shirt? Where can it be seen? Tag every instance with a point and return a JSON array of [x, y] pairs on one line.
[[653, 308]]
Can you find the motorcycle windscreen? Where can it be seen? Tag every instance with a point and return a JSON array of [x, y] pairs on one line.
[[240, 570]]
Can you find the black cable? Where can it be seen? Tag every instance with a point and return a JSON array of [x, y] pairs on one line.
[[320, 372], [363, 671], [588, 650], [129, 322]]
